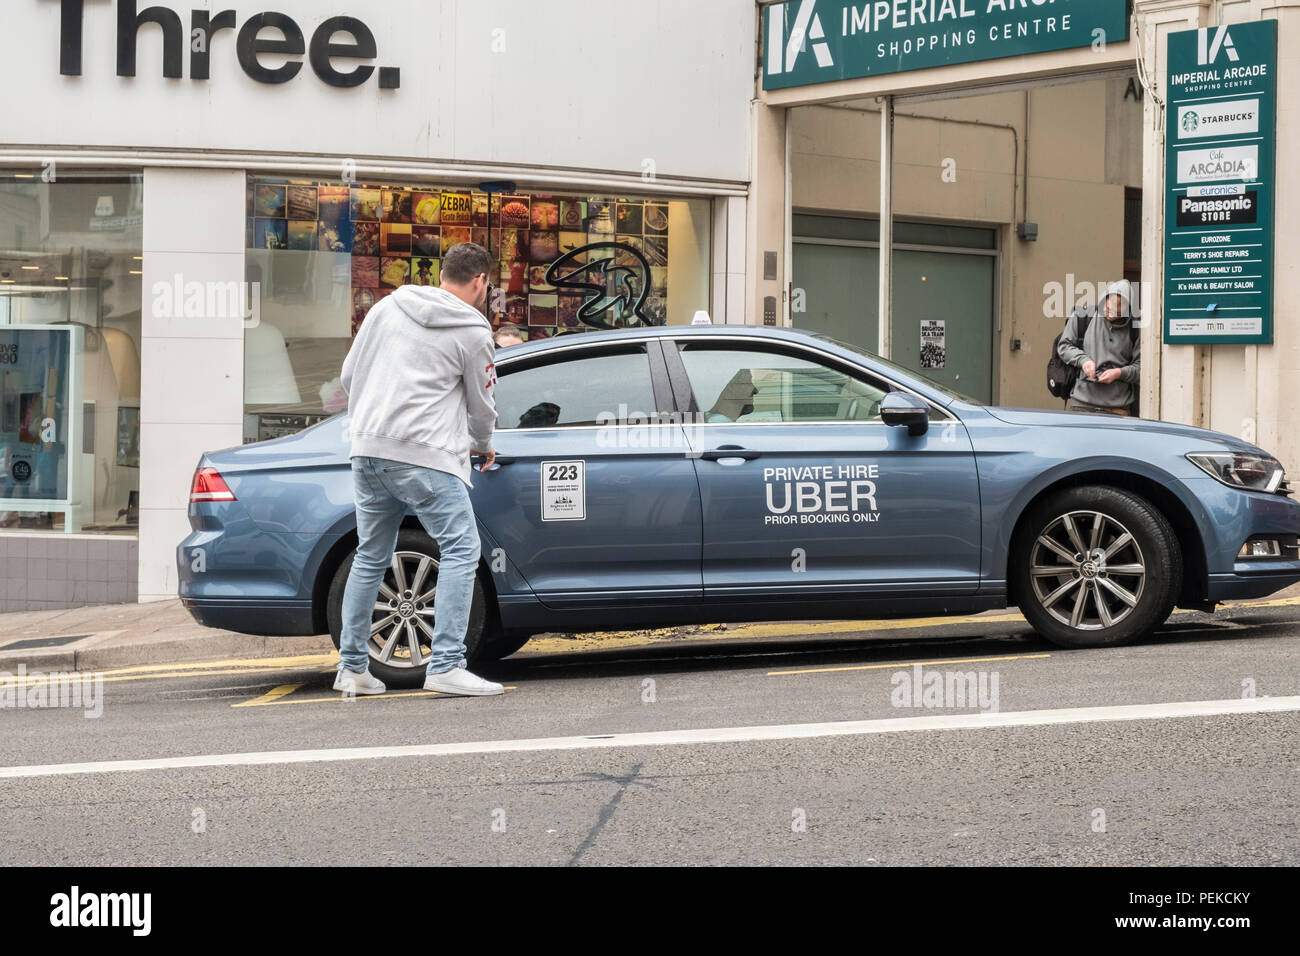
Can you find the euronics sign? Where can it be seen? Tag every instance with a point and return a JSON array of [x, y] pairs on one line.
[[816, 41], [1219, 178]]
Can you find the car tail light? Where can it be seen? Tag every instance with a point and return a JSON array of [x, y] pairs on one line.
[[210, 486]]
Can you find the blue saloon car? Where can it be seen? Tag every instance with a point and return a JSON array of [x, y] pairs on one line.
[[671, 475]]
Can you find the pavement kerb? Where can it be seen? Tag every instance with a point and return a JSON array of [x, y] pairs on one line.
[[214, 646], [120, 644]]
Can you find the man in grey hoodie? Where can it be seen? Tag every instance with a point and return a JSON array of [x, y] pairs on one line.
[[1108, 355], [419, 380]]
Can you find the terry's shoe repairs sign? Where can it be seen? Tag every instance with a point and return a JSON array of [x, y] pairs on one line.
[[816, 41], [1219, 182]]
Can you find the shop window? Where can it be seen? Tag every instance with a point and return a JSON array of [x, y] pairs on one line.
[[70, 268], [323, 253]]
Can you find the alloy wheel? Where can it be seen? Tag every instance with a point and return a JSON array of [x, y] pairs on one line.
[[401, 628], [1087, 570]]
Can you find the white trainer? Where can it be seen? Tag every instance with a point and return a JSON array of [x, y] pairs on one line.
[[460, 682], [351, 682]]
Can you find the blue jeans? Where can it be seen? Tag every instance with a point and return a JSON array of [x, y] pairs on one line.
[[385, 490]]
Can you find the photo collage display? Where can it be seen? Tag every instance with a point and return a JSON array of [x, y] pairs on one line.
[[397, 235]]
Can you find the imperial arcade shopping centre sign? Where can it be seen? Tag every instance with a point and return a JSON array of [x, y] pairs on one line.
[[1219, 178], [815, 41]]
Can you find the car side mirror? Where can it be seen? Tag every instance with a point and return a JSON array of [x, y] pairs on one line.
[[900, 408]]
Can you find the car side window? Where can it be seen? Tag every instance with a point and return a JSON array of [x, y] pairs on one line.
[[750, 385], [576, 391]]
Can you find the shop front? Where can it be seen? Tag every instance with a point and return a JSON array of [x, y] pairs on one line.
[[322, 253], [1059, 147], [190, 236]]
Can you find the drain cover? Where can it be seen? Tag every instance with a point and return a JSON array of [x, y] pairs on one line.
[[35, 642]]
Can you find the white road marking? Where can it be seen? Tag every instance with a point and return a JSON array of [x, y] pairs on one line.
[[664, 738]]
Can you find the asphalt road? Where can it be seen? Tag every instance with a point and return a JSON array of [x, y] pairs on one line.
[[1065, 757]]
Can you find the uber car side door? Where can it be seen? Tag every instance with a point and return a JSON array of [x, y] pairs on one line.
[[806, 491], [592, 502]]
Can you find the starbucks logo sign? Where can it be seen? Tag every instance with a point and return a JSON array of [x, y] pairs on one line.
[[1190, 122]]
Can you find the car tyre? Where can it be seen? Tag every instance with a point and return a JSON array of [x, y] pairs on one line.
[[1096, 566], [506, 643], [414, 550]]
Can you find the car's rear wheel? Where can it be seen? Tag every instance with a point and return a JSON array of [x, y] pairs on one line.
[[401, 625], [1096, 567]]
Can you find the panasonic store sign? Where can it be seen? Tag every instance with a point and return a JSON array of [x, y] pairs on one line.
[[817, 41], [268, 47]]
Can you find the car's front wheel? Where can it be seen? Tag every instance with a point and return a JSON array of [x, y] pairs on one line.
[[1096, 566], [401, 623]]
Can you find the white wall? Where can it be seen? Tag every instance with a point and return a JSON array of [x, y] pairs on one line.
[[192, 385], [592, 84]]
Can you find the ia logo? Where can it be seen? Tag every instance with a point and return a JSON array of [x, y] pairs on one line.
[[783, 48], [1208, 48]]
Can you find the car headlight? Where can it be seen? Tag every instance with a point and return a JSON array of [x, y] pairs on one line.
[[1241, 469]]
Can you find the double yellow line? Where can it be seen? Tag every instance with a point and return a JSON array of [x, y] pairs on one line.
[[279, 694], [252, 665]]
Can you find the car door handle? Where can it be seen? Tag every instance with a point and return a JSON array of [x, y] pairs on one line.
[[500, 459], [730, 451]]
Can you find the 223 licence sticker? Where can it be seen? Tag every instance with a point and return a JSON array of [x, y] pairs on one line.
[[564, 490]]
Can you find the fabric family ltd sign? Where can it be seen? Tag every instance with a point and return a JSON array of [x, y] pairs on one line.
[[817, 41]]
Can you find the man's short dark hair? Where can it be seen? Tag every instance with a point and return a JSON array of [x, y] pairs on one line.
[[464, 261]]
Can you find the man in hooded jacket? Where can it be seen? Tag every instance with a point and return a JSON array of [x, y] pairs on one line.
[[419, 379], [1107, 355]]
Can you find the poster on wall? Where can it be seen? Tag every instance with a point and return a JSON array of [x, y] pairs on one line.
[[397, 235], [35, 375], [934, 348], [1220, 181]]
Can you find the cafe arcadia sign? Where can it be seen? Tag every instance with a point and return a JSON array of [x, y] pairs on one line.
[[816, 41], [1219, 184], [336, 44]]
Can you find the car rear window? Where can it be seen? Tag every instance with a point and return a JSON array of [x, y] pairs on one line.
[[576, 391]]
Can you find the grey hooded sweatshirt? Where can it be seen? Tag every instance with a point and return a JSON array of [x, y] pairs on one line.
[[419, 380], [1105, 341]]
